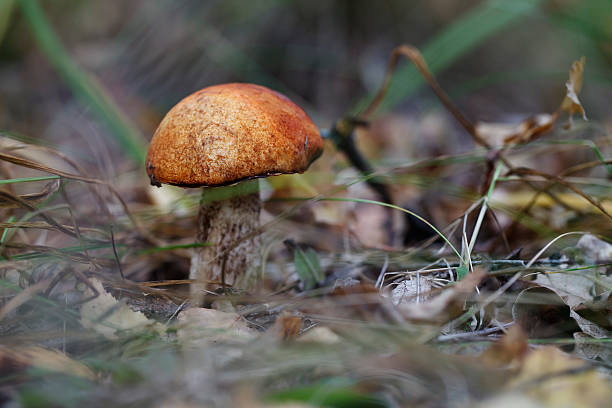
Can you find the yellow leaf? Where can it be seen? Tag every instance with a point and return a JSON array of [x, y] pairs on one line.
[[555, 379]]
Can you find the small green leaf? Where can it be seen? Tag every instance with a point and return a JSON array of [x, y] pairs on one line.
[[308, 268], [461, 272], [324, 395]]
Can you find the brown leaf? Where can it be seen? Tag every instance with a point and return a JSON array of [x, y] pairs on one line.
[[570, 103], [505, 134], [17, 359], [287, 326], [532, 128], [535, 126], [511, 348]]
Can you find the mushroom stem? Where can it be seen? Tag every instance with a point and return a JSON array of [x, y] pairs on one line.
[[226, 217]]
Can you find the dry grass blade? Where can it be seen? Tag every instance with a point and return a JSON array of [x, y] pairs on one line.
[[531, 172], [585, 166], [551, 184], [20, 202], [80, 170], [37, 166], [21, 298], [38, 249], [49, 189], [20, 161], [47, 226], [170, 282]]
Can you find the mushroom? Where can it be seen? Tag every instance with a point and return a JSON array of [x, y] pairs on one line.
[[220, 136]]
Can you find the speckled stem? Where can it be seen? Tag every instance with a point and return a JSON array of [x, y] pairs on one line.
[[222, 223]]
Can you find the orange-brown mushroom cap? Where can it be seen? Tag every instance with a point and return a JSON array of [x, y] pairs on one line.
[[226, 133]]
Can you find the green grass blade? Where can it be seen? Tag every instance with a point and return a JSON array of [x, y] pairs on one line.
[[85, 87], [28, 179], [4, 233], [453, 42], [173, 247], [6, 11], [483, 209]]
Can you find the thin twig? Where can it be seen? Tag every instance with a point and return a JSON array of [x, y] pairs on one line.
[[112, 234], [482, 332]]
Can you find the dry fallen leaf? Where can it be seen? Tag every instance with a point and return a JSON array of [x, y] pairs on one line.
[[502, 134], [444, 306], [199, 326], [108, 316], [287, 326], [509, 350], [599, 311], [542, 313], [578, 291], [416, 289], [319, 335], [575, 288], [595, 250], [531, 128], [587, 347], [555, 379], [570, 103], [15, 359]]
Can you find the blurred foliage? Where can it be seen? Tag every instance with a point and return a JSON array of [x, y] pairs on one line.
[[327, 56]]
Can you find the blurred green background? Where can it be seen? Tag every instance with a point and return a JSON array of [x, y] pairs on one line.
[[96, 77]]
